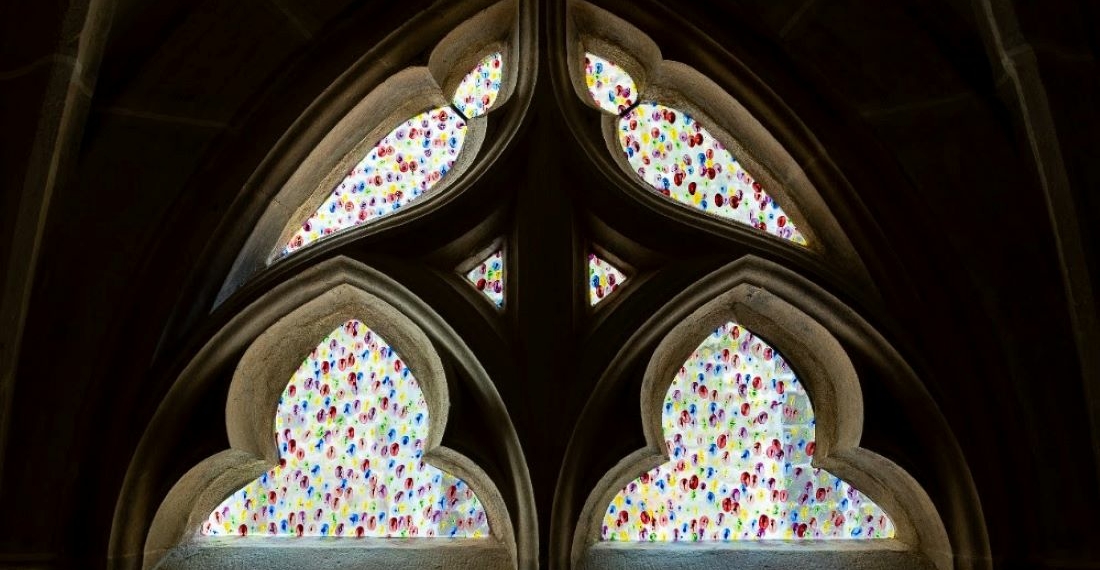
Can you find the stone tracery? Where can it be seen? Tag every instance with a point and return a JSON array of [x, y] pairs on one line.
[[350, 430], [739, 431]]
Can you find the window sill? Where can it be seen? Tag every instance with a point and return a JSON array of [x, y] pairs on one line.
[[337, 553], [818, 554]]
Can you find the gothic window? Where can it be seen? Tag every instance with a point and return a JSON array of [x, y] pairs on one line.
[[433, 342], [345, 446], [751, 410], [407, 163], [680, 159], [753, 449], [740, 436], [350, 430], [343, 380], [401, 167]]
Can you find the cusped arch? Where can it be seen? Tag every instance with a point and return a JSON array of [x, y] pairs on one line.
[[731, 122], [740, 434], [811, 329], [338, 132], [279, 329]]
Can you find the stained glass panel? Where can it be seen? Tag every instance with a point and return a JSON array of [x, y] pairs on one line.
[[350, 429], [402, 167], [488, 277], [673, 153], [739, 429], [603, 278], [479, 89], [610, 86]]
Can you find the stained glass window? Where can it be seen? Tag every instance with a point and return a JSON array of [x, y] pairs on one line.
[[478, 90], [675, 155], [739, 429], [610, 86], [402, 167], [406, 163], [488, 277], [350, 429], [603, 278]]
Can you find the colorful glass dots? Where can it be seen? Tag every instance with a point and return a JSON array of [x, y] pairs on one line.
[[674, 154], [488, 277], [610, 86], [479, 89], [740, 435], [603, 279], [402, 167], [350, 429]]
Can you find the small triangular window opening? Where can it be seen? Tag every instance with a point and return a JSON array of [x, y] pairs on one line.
[[603, 279], [488, 277]]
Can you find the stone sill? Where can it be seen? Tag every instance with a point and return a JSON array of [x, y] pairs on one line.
[[337, 553], [823, 554]]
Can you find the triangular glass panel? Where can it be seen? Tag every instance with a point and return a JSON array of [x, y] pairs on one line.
[[610, 86], [479, 89], [740, 434], [674, 154], [401, 168], [488, 277], [350, 429], [603, 279]]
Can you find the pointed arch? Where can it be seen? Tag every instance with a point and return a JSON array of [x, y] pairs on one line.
[[277, 329], [815, 332], [300, 175], [732, 123], [740, 433]]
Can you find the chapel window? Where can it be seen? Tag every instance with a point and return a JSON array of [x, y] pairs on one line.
[[739, 431], [351, 428], [407, 163], [680, 159]]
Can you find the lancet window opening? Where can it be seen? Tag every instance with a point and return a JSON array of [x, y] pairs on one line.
[[406, 163], [680, 159]]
